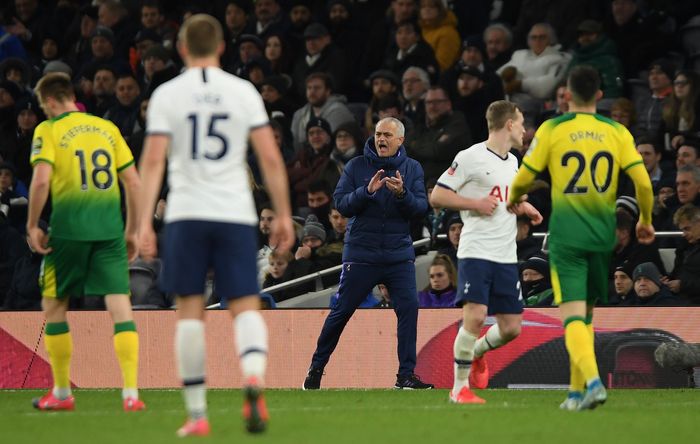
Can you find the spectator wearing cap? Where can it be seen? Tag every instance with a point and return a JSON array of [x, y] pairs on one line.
[[158, 67], [454, 230], [415, 83], [595, 49], [411, 50], [442, 280], [444, 132], [383, 83], [17, 149], [143, 40], [532, 75], [687, 192], [321, 102], [114, 15], [627, 249], [321, 55], [638, 39], [473, 56], [80, 52], [13, 197], [472, 100], [312, 162], [498, 39], [299, 16], [649, 289], [439, 29], [274, 91], [102, 46], [238, 22], [380, 38], [623, 286], [250, 47], [536, 282], [348, 143], [269, 18], [347, 30], [312, 251], [153, 20], [685, 278], [681, 113], [57, 66], [124, 114], [650, 108]]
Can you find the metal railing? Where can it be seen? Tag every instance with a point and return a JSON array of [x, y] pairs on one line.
[[319, 275]]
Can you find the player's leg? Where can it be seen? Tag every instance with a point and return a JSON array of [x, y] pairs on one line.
[[356, 281], [401, 284], [473, 287], [62, 276], [569, 271], [108, 274], [235, 272], [185, 265], [597, 289], [506, 303]]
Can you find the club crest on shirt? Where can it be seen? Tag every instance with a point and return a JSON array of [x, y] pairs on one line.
[[451, 170], [36, 145]]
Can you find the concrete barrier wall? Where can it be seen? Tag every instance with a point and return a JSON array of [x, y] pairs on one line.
[[365, 357]]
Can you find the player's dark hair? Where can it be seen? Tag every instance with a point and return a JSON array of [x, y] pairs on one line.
[[584, 83], [56, 85], [201, 34], [499, 112]]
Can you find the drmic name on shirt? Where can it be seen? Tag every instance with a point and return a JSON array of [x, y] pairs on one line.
[[586, 135]]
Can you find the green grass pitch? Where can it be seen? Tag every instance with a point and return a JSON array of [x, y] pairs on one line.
[[363, 417]]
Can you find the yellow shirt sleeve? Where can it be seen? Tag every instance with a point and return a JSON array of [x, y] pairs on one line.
[[43, 146]]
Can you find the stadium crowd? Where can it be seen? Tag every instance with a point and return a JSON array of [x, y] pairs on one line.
[[328, 70]]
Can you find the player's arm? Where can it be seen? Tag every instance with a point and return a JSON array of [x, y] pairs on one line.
[[445, 197], [151, 169], [645, 199], [38, 195], [276, 183], [132, 187]]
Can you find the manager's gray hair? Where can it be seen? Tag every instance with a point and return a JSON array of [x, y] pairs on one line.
[[400, 129]]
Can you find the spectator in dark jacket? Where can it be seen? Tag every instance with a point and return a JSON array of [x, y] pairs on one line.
[[411, 50], [321, 55], [445, 132], [380, 192], [685, 279], [649, 289]]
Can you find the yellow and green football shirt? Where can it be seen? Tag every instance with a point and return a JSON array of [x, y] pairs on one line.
[[584, 153], [86, 153]]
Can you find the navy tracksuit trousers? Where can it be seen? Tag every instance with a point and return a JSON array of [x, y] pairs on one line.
[[356, 281]]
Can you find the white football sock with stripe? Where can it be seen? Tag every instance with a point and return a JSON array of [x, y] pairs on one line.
[[251, 344], [190, 354], [463, 354], [490, 341]]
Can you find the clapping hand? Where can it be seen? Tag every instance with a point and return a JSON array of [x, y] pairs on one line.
[[376, 182], [395, 184]]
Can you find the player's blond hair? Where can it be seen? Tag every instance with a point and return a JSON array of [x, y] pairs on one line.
[[201, 34], [499, 112], [56, 85]]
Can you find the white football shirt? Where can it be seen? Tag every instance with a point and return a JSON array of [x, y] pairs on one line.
[[208, 115], [475, 173]]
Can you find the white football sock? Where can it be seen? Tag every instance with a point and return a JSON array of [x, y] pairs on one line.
[[463, 354], [490, 341], [190, 354], [251, 344]]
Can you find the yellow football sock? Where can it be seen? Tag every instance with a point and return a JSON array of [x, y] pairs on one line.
[[126, 345], [580, 346], [59, 345], [577, 382]]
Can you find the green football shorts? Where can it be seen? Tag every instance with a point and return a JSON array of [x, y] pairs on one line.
[[578, 275], [91, 268]]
